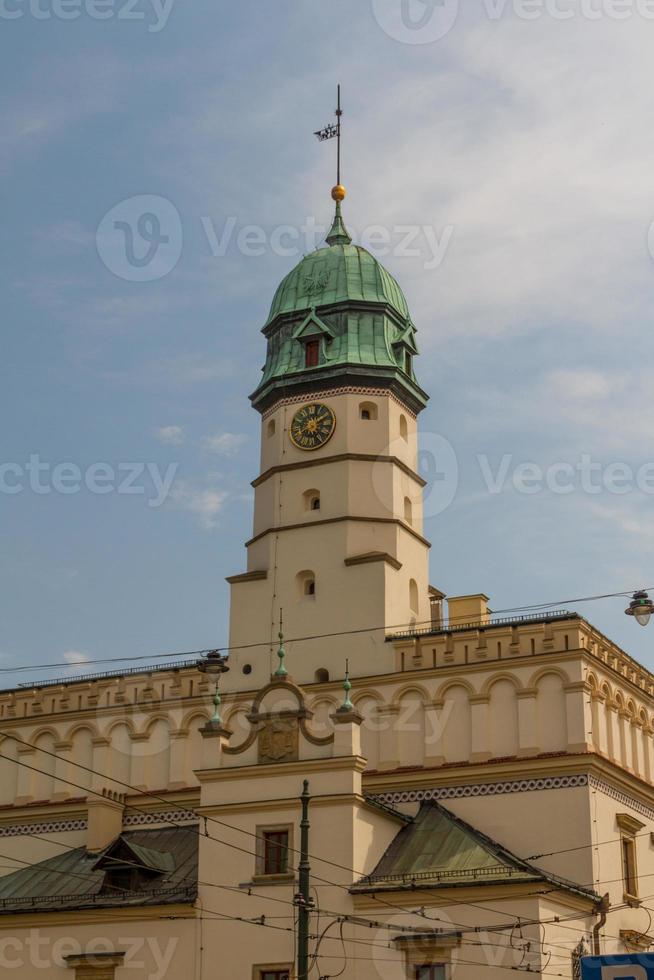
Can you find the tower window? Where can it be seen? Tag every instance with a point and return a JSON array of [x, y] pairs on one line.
[[311, 499], [404, 428], [306, 583], [322, 676], [407, 362], [311, 353], [368, 411], [408, 511], [271, 428], [413, 595]]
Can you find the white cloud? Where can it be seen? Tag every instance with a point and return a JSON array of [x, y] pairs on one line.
[[170, 435], [224, 443], [204, 503]]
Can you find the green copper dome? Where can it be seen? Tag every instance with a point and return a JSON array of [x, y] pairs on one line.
[[335, 274], [339, 318]]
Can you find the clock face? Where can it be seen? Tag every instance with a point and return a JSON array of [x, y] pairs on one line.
[[312, 426]]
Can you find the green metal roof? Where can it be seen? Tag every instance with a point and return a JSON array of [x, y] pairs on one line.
[[74, 879], [338, 273], [439, 849], [342, 297]]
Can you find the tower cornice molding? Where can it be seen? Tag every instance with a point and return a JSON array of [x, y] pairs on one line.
[[340, 379], [305, 525], [339, 458]]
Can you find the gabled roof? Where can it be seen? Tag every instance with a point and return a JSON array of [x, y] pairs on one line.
[[124, 852], [74, 879], [439, 850]]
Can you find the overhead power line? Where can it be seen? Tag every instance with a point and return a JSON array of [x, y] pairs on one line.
[[226, 648]]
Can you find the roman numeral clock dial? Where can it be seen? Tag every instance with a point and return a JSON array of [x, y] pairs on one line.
[[312, 426]]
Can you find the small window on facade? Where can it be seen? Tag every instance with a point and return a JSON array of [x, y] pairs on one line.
[[430, 971], [368, 411], [629, 872], [322, 676], [311, 353], [306, 582], [407, 362], [404, 428], [275, 852], [274, 974], [413, 595], [311, 499], [408, 510], [271, 428]]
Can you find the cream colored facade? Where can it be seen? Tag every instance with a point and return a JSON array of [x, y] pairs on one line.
[[537, 732]]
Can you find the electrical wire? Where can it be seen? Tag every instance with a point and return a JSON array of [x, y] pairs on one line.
[[394, 908], [226, 649]]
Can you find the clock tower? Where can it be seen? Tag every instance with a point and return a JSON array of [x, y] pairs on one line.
[[337, 541]]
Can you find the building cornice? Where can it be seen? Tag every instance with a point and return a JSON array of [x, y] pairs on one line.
[[339, 458], [307, 525]]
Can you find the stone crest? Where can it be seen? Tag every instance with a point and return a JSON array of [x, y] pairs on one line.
[[279, 741]]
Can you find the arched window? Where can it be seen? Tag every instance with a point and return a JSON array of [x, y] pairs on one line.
[[368, 411], [408, 510], [413, 595], [404, 428], [311, 499], [322, 676], [271, 428], [306, 581]]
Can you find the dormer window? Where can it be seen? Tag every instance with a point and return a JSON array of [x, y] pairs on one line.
[[311, 353]]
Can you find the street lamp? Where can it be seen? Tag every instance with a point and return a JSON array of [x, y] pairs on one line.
[[214, 664], [641, 607]]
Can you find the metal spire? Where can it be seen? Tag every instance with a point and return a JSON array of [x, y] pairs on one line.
[[338, 234], [281, 652], [347, 687]]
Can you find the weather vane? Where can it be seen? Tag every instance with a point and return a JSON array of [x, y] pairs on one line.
[[330, 131]]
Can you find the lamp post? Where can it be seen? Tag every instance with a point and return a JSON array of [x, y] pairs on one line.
[[641, 608], [214, 664]]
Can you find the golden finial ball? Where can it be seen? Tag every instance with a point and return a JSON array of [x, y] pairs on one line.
[[338, 192]]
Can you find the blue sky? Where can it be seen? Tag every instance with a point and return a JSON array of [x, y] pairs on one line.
[[509, 157]]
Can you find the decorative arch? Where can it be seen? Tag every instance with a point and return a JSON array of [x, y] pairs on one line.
[[82, 726], [191, 716], [544, 672], [504, 675], [40, 732], [418, 689], [368, 411], [455, 682]]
